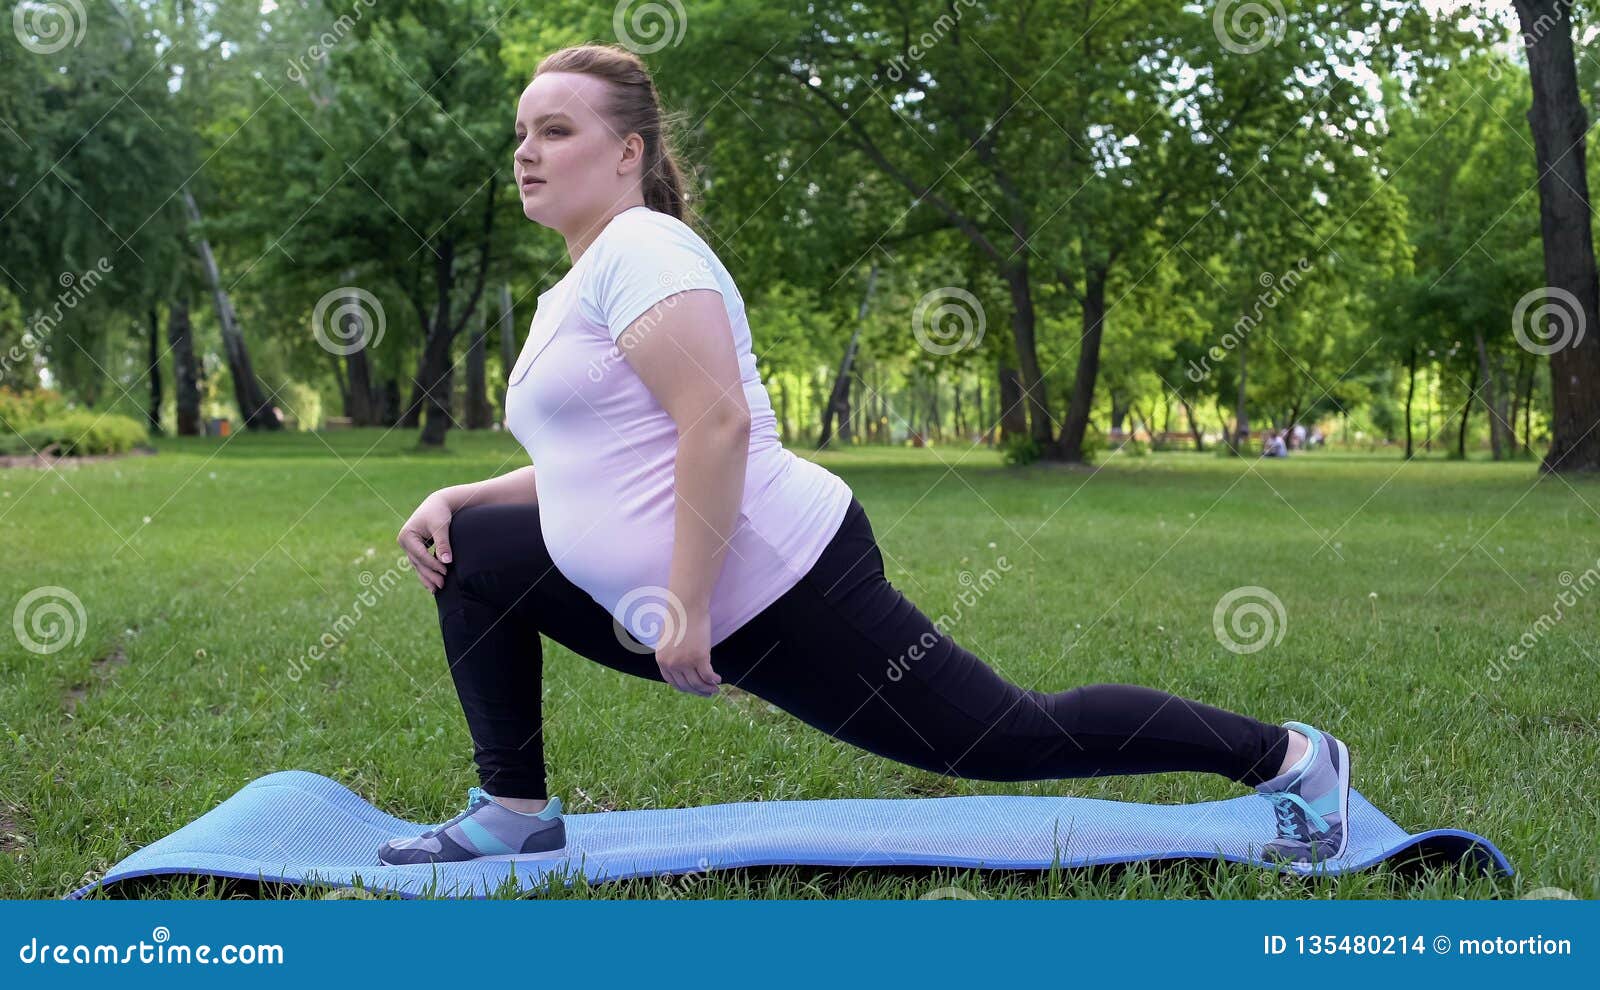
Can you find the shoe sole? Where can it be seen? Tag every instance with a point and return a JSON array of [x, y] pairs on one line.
[[507, 858]]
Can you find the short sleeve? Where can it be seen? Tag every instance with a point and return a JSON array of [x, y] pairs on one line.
[[639, 267]]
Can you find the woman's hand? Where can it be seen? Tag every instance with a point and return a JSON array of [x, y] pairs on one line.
[[684, 656], [430, 524]]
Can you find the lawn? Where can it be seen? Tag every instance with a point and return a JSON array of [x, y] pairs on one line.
[[205, 573]]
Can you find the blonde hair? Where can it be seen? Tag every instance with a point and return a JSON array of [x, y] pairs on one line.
[[634, 107]]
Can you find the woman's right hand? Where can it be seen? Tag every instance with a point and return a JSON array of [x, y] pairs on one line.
[[429, 524]]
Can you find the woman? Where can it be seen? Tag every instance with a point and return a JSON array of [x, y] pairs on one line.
[[670, 536]]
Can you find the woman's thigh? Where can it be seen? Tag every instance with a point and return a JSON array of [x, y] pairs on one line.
[[847, 653], [499, 557]]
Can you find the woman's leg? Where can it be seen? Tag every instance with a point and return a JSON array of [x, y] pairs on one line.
[[853, 657], [500, 592]]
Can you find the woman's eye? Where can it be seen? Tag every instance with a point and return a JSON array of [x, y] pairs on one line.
[[555, 130]]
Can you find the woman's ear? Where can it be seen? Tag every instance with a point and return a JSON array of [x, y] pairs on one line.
[[632, 152]]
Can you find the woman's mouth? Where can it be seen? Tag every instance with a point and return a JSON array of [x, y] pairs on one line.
[[530, 183]]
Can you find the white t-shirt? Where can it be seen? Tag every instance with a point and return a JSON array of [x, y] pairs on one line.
[[604, 450]]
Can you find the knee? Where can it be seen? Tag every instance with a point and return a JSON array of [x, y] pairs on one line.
[[469, 529], [496, 546], [486, 538]]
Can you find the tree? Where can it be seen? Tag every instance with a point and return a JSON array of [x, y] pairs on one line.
[[1560, 135]]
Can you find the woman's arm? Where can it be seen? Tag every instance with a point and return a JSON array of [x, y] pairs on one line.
[[513, 487], [683, 350]]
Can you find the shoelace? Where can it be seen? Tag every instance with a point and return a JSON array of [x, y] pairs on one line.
[[475, 797], [1284, 803]]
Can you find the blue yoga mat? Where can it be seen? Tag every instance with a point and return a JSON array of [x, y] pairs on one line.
[[299, 827]]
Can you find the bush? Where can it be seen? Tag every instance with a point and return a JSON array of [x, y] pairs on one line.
[[31, 407], [1021, 449], [80, 432], [1093, 445]]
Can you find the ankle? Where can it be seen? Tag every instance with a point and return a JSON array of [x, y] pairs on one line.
[[1298, 746], [526, 806]]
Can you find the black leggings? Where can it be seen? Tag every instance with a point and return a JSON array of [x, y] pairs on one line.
[[842, 650]]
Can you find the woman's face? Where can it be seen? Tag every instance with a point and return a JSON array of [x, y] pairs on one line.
[[583, 167]]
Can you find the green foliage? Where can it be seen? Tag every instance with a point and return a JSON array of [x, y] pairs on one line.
[[79, 432], [1020, 449], [21, 409], [1094, 445]]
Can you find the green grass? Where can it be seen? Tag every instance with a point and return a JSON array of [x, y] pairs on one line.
[[206, 570]]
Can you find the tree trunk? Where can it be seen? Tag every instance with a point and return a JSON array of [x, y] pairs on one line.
[[185, 374], [1227, 430], [389, 406], [983, 413], [1031, 379], [1194, 428], [1560, 125], [411, 415], [1519, 390], [360, 404], [1466, 413], [480, 415], [1527, 406], [1013, 419], [1070, 446], [839, 399], [1491, 398], [1241, 415], [254, 405], [1411, 392], [154, 355], [508, 341], [1119, 410]]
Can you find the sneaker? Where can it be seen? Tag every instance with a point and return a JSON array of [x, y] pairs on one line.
[[1312, 802], [486, 830]]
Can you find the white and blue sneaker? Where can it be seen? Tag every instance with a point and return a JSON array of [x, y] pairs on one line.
[[485, 830], [1312, 802]]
